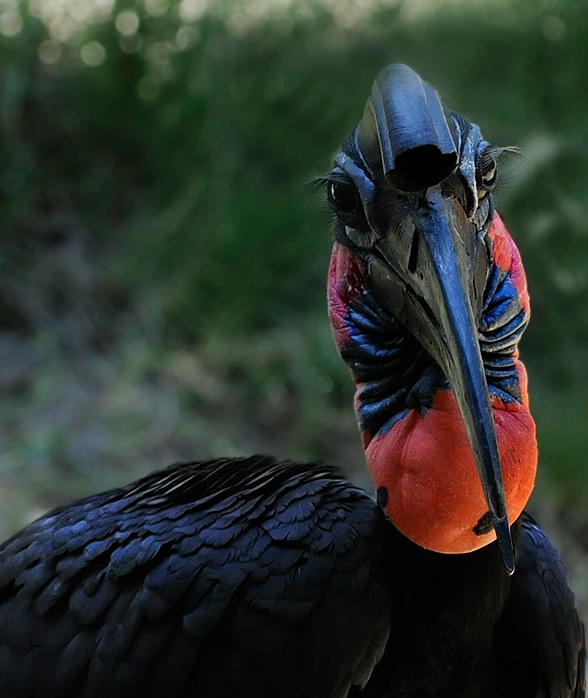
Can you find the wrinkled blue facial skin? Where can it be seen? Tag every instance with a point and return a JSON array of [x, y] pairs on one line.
[[397, 374]]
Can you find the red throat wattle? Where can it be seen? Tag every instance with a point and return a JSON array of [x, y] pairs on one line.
[[424, 460], [435, 496]]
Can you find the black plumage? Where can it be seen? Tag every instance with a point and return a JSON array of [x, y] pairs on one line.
[[254, 577], [257, 578], [244, 577]]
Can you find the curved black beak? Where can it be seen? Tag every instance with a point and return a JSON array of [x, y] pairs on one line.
[[431, 275]]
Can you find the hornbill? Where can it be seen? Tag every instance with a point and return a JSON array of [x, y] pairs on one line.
[[253, 577]]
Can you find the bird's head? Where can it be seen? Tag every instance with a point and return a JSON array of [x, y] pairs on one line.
[[428, 300]]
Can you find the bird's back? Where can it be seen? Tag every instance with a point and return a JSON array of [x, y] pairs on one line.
[[245, 577]]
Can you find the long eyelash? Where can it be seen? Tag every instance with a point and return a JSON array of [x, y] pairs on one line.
[[496, 151], [490, 155], [506, 176], [335, 176]]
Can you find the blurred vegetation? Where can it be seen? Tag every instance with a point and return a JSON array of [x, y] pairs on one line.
[[162, 259]]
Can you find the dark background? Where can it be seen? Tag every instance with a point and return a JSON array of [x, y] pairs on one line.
[[163, 256]]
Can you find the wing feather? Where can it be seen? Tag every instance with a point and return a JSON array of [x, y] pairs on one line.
[[248, 576]]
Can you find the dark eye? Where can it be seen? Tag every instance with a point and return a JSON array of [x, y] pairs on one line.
[[486, 171], [343, 197]]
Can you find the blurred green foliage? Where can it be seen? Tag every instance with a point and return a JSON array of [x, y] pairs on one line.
[[154, 191]]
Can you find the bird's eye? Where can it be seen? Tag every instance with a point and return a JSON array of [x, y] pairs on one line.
[[489, 176], [343, 197], [486, 170]]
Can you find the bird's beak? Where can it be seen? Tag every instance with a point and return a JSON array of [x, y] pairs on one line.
[[430, 272]]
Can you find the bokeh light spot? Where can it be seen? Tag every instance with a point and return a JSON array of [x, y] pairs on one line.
[[127, 22], [80, 11], [10, 23], [61, 28], [49, 52], [554, 28], [186, 37], [192, 10], [93, 53], [156, 8]]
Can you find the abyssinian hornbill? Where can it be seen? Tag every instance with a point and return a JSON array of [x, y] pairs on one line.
[[253, 577]]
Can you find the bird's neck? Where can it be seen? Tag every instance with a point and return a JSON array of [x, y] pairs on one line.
[[415, 441]]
